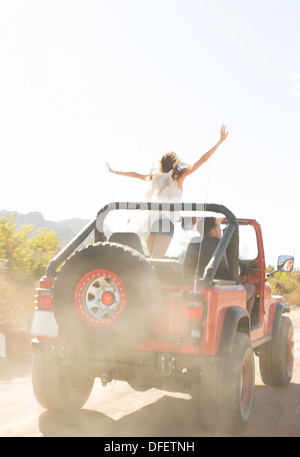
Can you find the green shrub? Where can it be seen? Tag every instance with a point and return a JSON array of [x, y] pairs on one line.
[[286, 285], [24, 252]]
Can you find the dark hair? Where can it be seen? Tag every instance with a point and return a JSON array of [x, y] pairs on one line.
[[170, 161], [209, 224]]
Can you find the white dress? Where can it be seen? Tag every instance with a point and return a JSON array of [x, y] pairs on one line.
[[163, 188]]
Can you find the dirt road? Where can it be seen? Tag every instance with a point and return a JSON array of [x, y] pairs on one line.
[[119, 411]]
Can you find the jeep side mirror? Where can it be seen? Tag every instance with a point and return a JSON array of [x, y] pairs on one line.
[[285, 263]]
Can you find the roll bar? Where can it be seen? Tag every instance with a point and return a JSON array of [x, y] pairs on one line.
[[229, 241]]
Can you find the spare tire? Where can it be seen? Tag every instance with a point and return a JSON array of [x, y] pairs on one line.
[[108, 295]]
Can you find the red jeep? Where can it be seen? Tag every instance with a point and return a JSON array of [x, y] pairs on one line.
[[110, 311]]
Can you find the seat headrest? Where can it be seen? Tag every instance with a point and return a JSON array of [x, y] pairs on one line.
[[130, 239]]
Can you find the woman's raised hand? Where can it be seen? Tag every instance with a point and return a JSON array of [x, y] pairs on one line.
[[223, 133], [109, 169]]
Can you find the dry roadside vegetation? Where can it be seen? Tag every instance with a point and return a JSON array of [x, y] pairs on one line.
[[16, 303], [287, 285], [24, 255]]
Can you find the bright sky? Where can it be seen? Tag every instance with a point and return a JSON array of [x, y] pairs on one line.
[[124, 81]]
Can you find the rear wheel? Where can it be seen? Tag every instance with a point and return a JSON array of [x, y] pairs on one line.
[[59, 387], [276, 358], [227, 389]]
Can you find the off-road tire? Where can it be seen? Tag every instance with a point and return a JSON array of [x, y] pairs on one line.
[[227, 389], [276, 358], [136, 288], [59, 387]]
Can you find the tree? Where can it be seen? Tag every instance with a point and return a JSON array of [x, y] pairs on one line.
[[43, 246], [26, 252]]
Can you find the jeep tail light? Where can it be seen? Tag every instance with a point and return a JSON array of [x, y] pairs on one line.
[[44, 293], [194, 314], [194, 310], [46, 282]]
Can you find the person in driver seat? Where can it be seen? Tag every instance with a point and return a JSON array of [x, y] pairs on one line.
[[212, 234], [203, 250]]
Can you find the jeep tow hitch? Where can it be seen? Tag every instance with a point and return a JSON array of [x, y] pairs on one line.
[[167, 365]]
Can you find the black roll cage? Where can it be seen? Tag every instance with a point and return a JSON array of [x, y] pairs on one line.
[[229, 242]]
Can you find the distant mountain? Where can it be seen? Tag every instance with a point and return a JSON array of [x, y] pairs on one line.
[[66, 230]]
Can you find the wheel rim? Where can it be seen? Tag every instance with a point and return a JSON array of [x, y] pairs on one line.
[[244, 386], [100, 298]]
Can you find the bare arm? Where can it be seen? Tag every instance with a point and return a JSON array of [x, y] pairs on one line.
[[130, 174], [204, 157]]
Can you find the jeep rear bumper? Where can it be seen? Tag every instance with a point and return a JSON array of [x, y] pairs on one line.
[[150, 369]]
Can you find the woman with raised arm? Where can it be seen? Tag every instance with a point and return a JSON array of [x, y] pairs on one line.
[[166, 186]]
